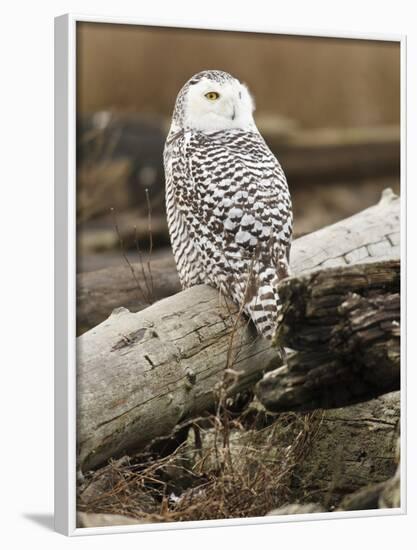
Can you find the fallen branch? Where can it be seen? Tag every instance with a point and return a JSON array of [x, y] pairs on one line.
[[140, 374], [345, 322]]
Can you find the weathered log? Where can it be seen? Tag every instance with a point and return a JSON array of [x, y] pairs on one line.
[[101, 291], [370, 497], [351, 462], [374, 232], [366, 498], [349, 342], [105, 520], [139, 374], [385, 494], [332, 155], [291, 509], [390, 496], [355, 446], [315, 304]]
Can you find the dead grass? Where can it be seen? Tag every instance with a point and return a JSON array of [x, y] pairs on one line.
[[147, 290], [223, 470]]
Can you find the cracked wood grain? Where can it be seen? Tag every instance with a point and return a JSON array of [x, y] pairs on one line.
[[344, 323]]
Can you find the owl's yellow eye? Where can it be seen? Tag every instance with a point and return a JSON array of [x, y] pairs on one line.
[[212, 96]]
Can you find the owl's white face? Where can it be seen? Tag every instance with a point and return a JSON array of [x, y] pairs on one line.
[[211, 105]]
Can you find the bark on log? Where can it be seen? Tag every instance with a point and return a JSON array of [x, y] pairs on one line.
[[349, 342], [139, 374]]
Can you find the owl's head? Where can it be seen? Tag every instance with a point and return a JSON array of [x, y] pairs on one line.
[[213, 100]]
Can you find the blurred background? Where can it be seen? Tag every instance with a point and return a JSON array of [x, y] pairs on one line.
[[328, 108]]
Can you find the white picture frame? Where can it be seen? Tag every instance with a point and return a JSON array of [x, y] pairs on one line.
[[65, 281]]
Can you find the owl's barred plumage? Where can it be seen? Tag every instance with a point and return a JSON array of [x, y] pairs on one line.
[[228, 205]]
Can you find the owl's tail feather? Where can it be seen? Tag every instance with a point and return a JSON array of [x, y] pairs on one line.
[[264, 309]]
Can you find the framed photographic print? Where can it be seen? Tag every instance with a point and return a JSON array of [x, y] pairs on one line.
[[229, 295]]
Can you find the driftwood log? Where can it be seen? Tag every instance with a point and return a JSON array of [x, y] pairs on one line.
[[356, 447], [353, 460], [331, 155], [100, 292], [140, 374], [345, 324]]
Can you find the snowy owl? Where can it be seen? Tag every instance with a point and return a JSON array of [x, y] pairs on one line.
[[228, 205]]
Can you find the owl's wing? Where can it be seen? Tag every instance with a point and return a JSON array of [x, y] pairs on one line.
[[237, 210], [178, 205], [238, 191]]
